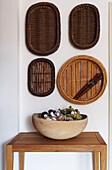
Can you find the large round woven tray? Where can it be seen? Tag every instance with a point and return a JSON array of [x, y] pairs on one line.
[[42, 28], [84, 26], [75, 73], [41, 77]]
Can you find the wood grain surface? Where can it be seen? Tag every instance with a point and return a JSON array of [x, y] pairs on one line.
[[34, 142], [95, 160], [34, 138], [21, 160]]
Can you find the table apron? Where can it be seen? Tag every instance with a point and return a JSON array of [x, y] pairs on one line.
[[58, 148]]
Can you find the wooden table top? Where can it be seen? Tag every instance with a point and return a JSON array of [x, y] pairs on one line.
[[34, 142], [34, 138]]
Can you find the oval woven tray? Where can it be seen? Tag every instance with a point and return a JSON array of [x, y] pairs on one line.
[[42, 28], [84, 26], [75, 73], [41, 77]]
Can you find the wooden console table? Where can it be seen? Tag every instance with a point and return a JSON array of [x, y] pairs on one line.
[[34, 142]]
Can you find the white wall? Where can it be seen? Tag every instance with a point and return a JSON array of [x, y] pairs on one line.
[[8, 75], [29, 104], [11, 88]]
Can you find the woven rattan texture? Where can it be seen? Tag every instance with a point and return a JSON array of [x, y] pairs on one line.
[[84, 26], [75, 73], [41, 77], [42, 28]]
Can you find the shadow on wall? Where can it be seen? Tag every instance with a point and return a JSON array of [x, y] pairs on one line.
[[29, 124], [3, 156]]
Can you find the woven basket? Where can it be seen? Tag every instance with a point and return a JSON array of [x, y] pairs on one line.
[[84, 26], [75, 73], [41, 77], [42, 28]]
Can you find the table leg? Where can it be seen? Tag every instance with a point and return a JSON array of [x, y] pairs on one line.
[[21, 160], [95, 160], [9, 157], [103, 158]]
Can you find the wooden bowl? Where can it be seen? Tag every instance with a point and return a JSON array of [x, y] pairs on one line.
[[59, 129]]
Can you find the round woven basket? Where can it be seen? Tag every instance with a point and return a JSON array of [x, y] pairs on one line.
[[75, 73]]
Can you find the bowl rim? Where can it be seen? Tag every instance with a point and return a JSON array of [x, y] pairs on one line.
[[34, 115]]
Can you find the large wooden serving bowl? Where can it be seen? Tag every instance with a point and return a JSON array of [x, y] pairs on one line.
[[59, 129]]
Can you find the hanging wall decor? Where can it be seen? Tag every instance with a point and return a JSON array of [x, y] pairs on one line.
[[43, 28], [41, 77], [84, 26], [82, 79]]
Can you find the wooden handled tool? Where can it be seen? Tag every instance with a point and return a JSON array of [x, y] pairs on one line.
[[88, 86]]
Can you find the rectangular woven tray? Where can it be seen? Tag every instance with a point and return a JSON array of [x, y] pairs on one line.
[[41, 77], [84, 26]]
